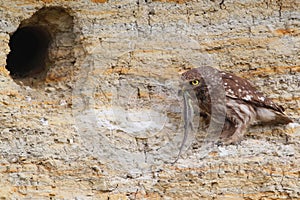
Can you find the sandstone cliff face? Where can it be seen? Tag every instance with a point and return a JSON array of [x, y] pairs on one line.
[[95, 114]]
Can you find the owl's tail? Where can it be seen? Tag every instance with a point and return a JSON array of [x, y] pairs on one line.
[[281, 118], [270, 116]]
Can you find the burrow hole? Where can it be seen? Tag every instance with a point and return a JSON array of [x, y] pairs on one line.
[[29, 49], [41, 49]]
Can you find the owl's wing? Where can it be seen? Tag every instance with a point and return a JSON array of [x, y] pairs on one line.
[[239, 88]]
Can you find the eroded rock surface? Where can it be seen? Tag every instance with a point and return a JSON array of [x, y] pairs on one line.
[[103, 118]]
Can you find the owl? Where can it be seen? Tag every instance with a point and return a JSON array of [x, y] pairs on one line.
[[243, 104]]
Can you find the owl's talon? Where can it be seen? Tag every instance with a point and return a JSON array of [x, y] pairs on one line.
[[233, 140]]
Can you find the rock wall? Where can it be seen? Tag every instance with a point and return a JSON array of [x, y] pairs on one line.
[[95, 113]]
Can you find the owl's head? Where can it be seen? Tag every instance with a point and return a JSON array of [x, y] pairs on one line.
[[192, 79]]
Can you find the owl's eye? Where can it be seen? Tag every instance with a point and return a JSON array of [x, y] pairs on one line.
[[195, 82]]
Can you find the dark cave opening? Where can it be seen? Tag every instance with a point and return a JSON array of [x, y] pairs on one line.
[[29, 51]]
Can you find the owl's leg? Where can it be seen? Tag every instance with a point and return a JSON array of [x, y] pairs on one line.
[[238, 118], [228, 129], [234, 130]]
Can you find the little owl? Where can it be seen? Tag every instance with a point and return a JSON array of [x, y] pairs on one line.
[[243, 104]]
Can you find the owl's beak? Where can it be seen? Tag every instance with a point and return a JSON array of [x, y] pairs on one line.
[[180, 92], [187, 93], [184, 87]]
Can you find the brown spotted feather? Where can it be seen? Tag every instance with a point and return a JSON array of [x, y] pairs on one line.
[[245, 105], [239, 88]]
